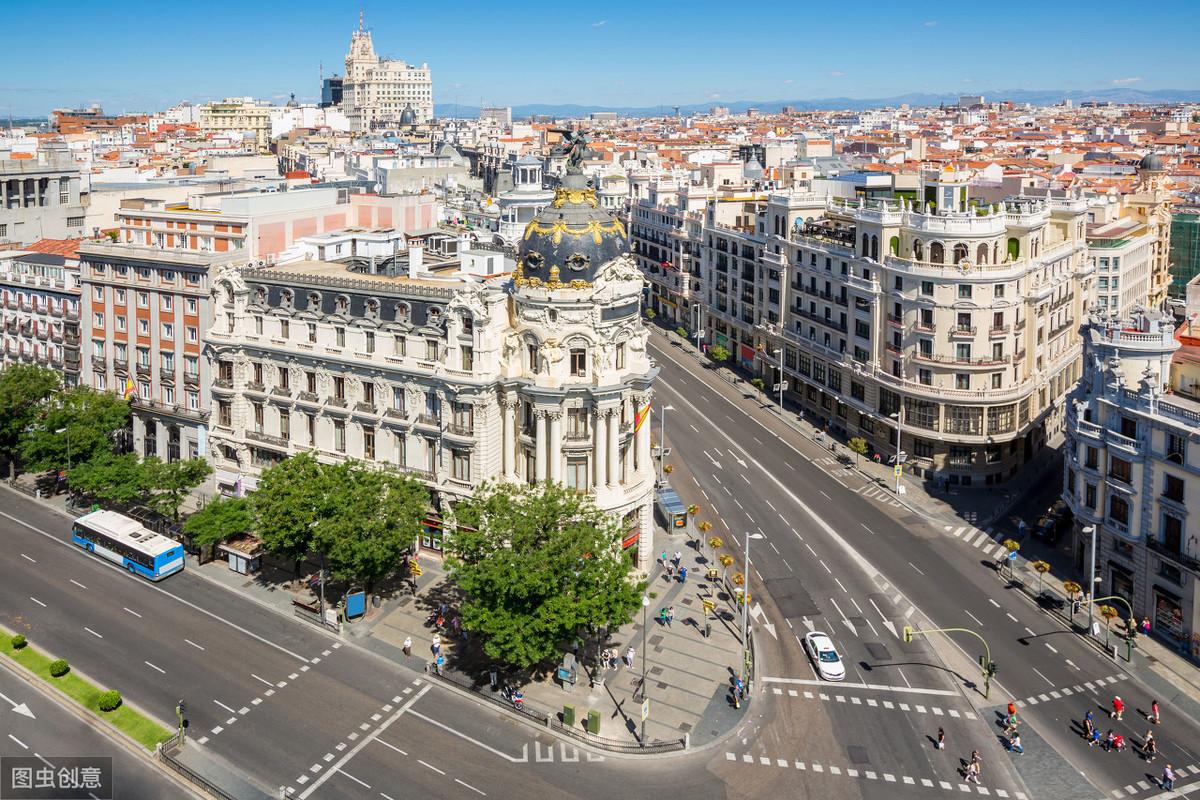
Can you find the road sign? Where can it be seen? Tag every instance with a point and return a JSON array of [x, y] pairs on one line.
[[645, 710], [700, 333], [783, 385], [898, 470], [1012, 556]]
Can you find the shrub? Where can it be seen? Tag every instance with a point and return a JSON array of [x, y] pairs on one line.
[[650, 313], [58, 668], [682, 332], [17, 642], [758, 383], [110, 700], [718, 353]]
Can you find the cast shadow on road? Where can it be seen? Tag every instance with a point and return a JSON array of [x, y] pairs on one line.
[[869, 667]]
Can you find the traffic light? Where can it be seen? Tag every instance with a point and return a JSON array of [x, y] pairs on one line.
[[908, 633], [991, 669]]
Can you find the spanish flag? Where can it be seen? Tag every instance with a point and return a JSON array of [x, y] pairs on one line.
[[130, 389], [640, 416]]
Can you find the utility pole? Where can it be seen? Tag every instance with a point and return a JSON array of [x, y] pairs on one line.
[[1091, 578]]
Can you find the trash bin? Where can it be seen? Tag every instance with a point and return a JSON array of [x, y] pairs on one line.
[[593, 722], [568, 716]]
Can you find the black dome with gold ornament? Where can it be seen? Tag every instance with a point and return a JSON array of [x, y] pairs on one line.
[[570, 240]]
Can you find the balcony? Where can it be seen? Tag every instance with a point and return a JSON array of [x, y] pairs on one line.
[[338, 402], [98, 363], [281, 391], [1020, 326], [266, 438], [428, 419], [998, 330], [362, 407], [962, 331], [166, 375], [1174, 554], [895, 322], [256, 386], [1057, 304], [143, 369], [1123, 443], [578, 435], [223, 383], [894, 350], [307, 397], [925, 327], [461, 429], [978, 361], [395, 413]]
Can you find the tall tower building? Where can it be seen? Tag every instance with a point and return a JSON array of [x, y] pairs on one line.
[[376, 91], [1152, 205]]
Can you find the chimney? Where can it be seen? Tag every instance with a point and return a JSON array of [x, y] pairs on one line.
[[416, 260]]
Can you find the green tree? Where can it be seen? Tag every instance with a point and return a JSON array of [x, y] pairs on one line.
[[169, 483], [111, 478], [718, 353], [375, 518], [537, 565], [858, 446], [23, 390], [89, 420], [219, 520], [289, 503]]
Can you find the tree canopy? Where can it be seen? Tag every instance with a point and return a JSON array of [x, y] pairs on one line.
[[126, 479], [290, 500], [23, 390], [88, 420], [538, 565], [222, 518], [168, 483]]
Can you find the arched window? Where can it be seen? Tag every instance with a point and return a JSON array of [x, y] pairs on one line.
[[960, 252], [1014, 249], [995, 252], [875, 247], [866, 240], [894, 245], [981, 255], [937, 253], [918, 250]]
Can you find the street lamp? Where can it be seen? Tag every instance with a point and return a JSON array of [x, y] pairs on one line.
[[899, 417], [662, 435], [746, 606], [67, 431], [778, 351], [645, 608], [1091, 583]]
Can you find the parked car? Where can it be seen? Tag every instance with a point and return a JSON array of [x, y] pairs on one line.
[[824, 656], [1051, 524]]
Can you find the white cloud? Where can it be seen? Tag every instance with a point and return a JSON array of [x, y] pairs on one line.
[[600, 23], [836, 73], [1124, 81], [929, 23], [714, 95], [968, 80], [789, 81]]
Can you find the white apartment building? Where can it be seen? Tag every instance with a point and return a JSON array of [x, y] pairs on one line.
[[379, 93], [239, 115], [39, 312], [954, 322], [1132, 472], [40, 196], [454, 377], [665, 229], [1122, 250]]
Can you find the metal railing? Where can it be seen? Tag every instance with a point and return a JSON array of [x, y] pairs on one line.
[[166, 754]]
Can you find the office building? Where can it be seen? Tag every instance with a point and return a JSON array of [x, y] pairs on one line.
[[39, 312], [40, 196], [379, 93]]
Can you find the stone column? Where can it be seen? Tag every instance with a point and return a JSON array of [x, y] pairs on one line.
[[539, 447], [556, 446], [644, 463], [614, 448], [508, 445], [600, 449]]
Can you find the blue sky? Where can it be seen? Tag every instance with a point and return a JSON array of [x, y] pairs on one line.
[[137, 55]]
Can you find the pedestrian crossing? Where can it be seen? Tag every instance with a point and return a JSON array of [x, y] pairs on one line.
[[870, 702], [859, 773], [877, 493], [1143, 786], [987, 542], [1097, 685]]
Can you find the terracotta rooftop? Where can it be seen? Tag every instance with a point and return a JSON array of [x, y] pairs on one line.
[[68, 248]]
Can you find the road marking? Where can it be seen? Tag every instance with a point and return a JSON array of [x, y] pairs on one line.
[[868, 530], [136, 614], [27, 558], [1010, 616], [972, 616], [262, 680], [356, 780], [354, 750], [693, 427], [875, 686], [1043, 677], [92, 632], [18, 741], [993, 602], [822, 491], [151, 666], [39, 602], [77, 583], [385, 744], [1052, 650], [826, 566], [193, 644], [469, 786], [217, 730], [152, 587], [431, 766], [222, 705], [914, 566], [843, 588], [476, 742]]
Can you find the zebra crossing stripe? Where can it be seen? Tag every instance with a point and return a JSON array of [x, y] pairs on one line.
[[958, 532]]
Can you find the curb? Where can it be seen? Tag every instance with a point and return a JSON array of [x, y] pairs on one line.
[[97, 724]]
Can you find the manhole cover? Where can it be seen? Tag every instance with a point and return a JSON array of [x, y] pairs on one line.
[[685, 727], [791, 598], [878, 651], [656, 670], [858, 754], [687, 601], [662, 685], [656, 640]]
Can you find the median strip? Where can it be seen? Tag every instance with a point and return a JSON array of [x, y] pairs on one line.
[[129, 721]]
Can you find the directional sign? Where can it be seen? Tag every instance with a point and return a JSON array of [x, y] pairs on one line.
[[783, 386], [20, 708], [898, 470], [645, 710], [1012, 556]]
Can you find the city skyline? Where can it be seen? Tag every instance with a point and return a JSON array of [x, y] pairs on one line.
[[507, 64]]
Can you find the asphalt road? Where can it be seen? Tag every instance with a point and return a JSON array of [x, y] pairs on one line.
[[839, 555], [53, 733]]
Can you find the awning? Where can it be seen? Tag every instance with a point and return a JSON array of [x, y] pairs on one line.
[[227, 478]]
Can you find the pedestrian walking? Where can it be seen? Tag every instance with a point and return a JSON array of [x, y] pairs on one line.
[[1168, 778], [683, 574], [1095, 740], [941, 739], [678, 558], [1146, 626], [1118, 708], [629, 655], [436, 646], [1089, 724], [973, 772], [1149, 747], [407, 646], [662, 616], [670, 615], [1154, 712], [1110, 739], [663, 558], [977, 762], [1012, 708], [1014, 744], [494, 677]]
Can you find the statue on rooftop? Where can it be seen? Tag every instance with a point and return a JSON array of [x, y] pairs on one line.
[[574, 146]]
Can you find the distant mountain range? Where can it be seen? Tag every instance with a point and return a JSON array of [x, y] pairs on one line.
[[916, 99]]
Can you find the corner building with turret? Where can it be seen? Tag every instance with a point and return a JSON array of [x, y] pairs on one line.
[[458, 369]]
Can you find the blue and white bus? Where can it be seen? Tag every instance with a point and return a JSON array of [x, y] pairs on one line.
[[124, 541]]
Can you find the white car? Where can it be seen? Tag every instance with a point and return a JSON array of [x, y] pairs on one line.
[[825, 657]]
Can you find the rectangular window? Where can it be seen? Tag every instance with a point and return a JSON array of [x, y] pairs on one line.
[[193, 334], [1120, 469], [143, 327], [340, 336], [368, 443], [98, 320], [310, 424], [922, 448], [339, 436], [98, 294], [120, 296], [621, 356], [577, 474], [285, 424], [168, 302], [283, 377], [462, 465], [224, 413], [1118, 509], [168, 331], [532, 353], [400, 346], [962, 380], [193, 400], [578, 361], [398, 399], [143, 299], [431, 349], [339, 387], [285, 329], [259, 413], [310, 379], [927, 288], [368, 390], [370, 344], [1173, 488], [312, 332], [191, 306], [1089, 495], [964, 291], [258, 325], [468, 357], [997, 380], [120, 322]]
